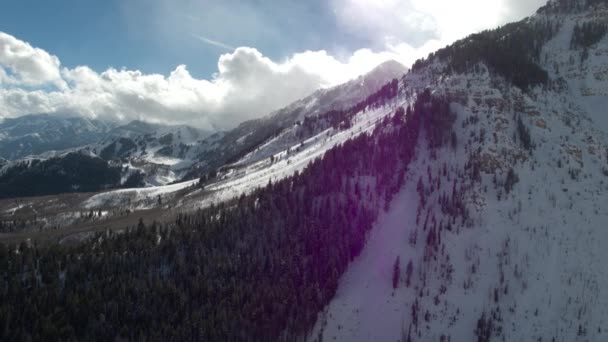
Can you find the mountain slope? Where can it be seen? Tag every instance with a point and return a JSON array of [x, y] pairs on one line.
[[227, 148], [524, 261]]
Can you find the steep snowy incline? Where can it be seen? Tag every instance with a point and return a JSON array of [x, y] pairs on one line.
[[366, 308], [525, 259]]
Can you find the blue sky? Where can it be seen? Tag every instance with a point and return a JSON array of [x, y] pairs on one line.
[[213, 63], [156, 35]]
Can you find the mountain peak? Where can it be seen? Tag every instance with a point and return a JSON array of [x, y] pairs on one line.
[[391, 64], [390, 68]]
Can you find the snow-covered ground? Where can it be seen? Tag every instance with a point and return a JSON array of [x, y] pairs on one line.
[[133, 198], [366, 308], [531, 261], [11, 211]]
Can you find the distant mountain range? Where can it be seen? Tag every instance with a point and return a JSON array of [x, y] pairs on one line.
[[39, 133], [146, 154]]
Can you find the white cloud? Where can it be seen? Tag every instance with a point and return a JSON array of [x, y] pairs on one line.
[[247, 85], [22, 64], [413, 28]]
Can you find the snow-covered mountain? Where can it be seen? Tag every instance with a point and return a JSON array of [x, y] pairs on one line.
[[160, 154], [142, 153], [39, 133], [525, 259]]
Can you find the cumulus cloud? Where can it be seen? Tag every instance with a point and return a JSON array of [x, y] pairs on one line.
[[246, 85], [22, 64]]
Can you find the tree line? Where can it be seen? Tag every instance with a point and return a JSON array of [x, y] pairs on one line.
[[512, 51]]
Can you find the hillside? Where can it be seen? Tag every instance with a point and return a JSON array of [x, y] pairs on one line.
[[525, 261]]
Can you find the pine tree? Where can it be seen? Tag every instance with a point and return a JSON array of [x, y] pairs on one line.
[[524, 134], [510, 181], [408, 273], [396, 273]]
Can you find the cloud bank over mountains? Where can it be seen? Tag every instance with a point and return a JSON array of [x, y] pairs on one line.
[[247, 84]]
